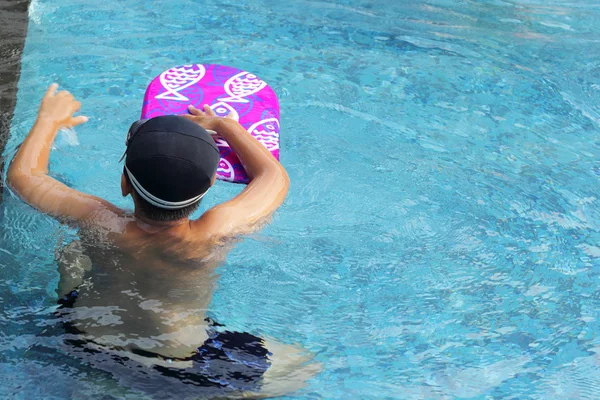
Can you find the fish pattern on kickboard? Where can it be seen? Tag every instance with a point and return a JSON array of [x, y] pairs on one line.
[[227, 90]]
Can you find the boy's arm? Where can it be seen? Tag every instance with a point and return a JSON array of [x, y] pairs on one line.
[[28, 172], [266, 191]]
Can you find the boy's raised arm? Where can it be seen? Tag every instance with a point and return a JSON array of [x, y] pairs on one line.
[[28, 172], [266, 191]]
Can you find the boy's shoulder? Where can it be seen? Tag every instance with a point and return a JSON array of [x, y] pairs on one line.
[[184, 240]]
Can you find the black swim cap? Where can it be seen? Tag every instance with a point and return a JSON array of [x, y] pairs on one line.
[[170, 161]]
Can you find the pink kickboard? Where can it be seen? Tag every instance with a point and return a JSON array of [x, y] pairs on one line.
[[225, 89]]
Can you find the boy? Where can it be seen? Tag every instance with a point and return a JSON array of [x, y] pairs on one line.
[[152, 278]]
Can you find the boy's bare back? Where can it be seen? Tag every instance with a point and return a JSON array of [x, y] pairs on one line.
[[140, 284]]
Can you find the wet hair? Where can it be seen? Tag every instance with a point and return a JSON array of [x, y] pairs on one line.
[[160, 214]]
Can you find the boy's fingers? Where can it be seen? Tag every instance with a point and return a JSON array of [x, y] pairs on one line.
[[78, 120], [233, 115], [194, 110], [51, 90], [209, 111], [193, 118], [66, 94]]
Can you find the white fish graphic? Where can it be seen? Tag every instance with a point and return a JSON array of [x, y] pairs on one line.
[[266, 132], [242, 85], [226, 170], [223, 109], [176, 79]]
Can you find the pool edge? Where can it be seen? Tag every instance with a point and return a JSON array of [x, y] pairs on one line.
[[14, 22]]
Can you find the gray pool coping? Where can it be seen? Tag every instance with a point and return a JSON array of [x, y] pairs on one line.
[[13, 31]]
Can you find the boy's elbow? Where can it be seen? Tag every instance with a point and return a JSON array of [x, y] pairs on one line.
[[283, 183], [281, 178], [275, 178], [14, 179], [285, 178], [20, 182]]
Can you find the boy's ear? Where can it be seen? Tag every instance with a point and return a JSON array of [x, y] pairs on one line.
[[125, 186]]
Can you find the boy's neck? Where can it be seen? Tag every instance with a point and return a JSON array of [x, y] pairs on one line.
[[154, 226]]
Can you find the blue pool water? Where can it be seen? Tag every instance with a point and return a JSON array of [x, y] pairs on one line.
[[441, 238]]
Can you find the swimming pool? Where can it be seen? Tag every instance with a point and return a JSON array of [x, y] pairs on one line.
[[441, 237]]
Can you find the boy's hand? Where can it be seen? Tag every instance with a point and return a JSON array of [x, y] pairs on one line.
[[206, 118], [59, 108]]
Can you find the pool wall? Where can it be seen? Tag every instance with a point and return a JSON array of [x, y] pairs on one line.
[[13, 30]]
